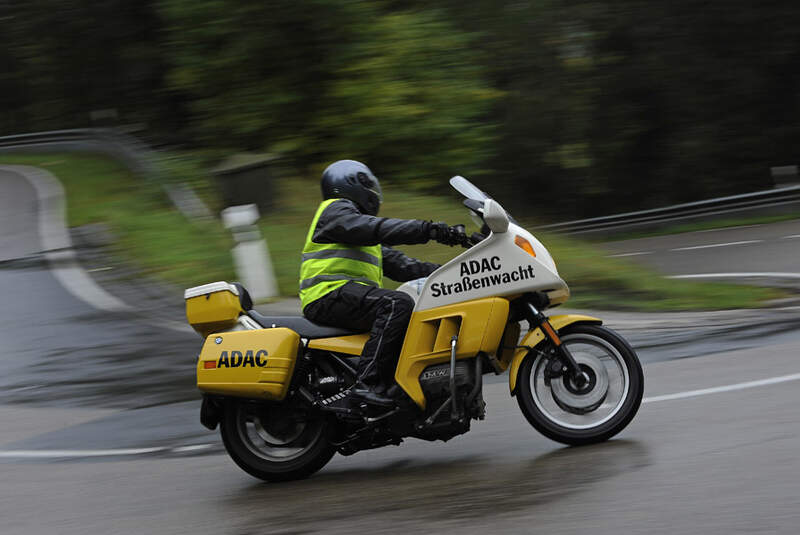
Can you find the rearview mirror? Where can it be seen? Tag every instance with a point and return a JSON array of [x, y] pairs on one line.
[[494, 216]]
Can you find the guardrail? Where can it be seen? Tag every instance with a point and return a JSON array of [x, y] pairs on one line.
[[775, 200], [137, 156]]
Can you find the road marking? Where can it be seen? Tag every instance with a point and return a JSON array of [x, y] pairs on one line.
[[49, 454], [54, 238], [71, 454], [189, 449], [629, 254], [768, 275], [791, 236], [24, 388], [75, 454], [727, 228], [726, 388], [745, 242], [57, 245]]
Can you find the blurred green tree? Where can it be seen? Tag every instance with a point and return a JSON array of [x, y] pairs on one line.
[[250, 73], [324, 80], [411, 97], [613, 106], [575, 108], [63, 59]]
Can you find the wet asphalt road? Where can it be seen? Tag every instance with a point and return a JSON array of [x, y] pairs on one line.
[[60, 351], [714, 464], [718, 463], [771, 247]]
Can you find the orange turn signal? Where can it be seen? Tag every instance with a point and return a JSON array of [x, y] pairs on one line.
[[525, 245], [209, 364]]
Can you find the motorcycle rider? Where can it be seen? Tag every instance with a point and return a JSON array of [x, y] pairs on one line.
[[345, 257]]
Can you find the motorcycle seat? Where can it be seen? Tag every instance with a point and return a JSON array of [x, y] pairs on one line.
[[301, 325]]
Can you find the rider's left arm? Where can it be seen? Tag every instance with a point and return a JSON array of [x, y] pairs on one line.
[[401, 268]]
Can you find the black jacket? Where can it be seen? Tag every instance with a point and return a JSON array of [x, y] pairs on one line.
[[342, 222]]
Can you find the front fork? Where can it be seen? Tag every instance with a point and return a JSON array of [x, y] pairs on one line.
[[565, 363]]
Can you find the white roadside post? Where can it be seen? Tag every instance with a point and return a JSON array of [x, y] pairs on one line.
[[250, 254]]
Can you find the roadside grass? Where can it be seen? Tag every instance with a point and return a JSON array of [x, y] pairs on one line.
[[148, 229], [157, 238]]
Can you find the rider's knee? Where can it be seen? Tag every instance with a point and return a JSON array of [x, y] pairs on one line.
[[404, 304]]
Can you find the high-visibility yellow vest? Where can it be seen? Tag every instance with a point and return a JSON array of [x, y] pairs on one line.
[[327, 266]]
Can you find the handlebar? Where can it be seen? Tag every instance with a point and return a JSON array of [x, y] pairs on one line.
[[474, 239], [468, 241]]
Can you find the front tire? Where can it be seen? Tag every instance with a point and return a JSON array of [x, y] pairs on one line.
[[562, 412], [273, 442]]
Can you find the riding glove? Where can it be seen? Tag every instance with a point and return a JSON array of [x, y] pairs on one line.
[[448, 235]]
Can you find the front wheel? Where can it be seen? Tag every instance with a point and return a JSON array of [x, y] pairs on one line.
[[595, 412], [274, 442]]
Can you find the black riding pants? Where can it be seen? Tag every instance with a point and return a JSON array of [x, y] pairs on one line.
[[384, 313]]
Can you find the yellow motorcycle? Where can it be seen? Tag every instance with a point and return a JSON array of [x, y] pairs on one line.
[[269, 382]]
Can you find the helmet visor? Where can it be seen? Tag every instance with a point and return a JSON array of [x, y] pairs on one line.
[[376, 189]]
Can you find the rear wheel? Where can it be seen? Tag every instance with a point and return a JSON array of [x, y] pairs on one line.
[[594, 412], [273, 442]]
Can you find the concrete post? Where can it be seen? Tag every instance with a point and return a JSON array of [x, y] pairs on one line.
[[784, 175], [250, 254]]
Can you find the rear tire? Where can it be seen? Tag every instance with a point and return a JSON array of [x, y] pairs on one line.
[[561, 412], [274, 443]]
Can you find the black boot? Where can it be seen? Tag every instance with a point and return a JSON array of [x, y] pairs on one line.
[[370, 396]]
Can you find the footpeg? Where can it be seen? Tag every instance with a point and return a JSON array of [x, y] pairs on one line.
[[334, 398]]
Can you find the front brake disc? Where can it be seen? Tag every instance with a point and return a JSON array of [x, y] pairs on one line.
[[582, 400]]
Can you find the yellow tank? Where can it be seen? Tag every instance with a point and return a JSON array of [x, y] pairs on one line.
[[253, 364]]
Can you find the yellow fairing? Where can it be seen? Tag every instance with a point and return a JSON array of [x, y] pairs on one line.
[[349, 345], [253, 364], [213, 312], [536, 335], [479, 325], [506, 351]]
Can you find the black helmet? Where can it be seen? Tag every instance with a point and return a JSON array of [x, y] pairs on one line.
[[352, 180]]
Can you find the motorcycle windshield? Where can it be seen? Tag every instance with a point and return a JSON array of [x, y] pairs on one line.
[[471, 191], [468, 189]]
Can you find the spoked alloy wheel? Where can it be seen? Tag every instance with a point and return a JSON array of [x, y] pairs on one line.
[[273, 442], [596, 411]]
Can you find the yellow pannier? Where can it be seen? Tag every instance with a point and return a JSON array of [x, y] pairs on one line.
[[255, 364]]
